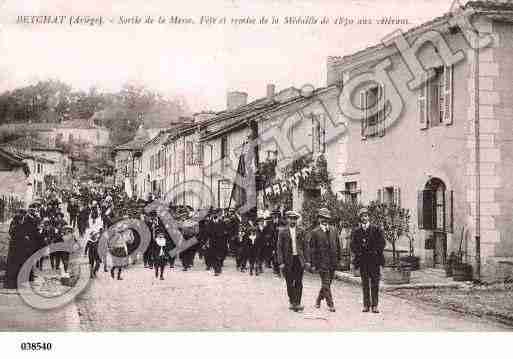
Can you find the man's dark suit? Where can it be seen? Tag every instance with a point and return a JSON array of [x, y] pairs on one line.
[[217, 244], [293, 264], [325, 253], [367, 246]]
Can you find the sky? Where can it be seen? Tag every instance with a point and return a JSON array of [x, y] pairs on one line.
[[200, 63]]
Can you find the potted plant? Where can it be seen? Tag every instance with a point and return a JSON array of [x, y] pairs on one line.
[[394, 222], [449, 265], [411, 260]]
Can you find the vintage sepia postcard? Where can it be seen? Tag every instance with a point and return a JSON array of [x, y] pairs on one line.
[[243, 166]]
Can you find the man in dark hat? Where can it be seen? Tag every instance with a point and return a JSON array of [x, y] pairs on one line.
[[293, 258], [272, 229], [217, 242], [83, 218], [325, 253], [367, 245], [16, 255], [260, 244]]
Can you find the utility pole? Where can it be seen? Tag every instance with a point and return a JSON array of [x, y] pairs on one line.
[[477, 159]]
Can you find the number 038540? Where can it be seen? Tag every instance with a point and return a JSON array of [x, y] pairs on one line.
[[36, 346]]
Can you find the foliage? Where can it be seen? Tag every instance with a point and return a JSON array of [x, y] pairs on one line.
[[53, 101], [393, 219], [309, 212], [265, 174], [318, 177], [344, 213]]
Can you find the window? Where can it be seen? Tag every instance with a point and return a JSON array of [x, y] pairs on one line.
[[39, 188], [351, 193], [224, 147], [436, 98], [189, 153], [198, 154], [372, 104], [390, 195], [224, 153], [435, 207], [317, 134], [272, 155]]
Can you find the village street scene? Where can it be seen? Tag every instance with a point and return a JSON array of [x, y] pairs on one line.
[[379, 201]]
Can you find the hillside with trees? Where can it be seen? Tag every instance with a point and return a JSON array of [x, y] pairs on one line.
[[53, 101]]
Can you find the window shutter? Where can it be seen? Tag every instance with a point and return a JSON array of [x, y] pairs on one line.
[[189, 154], [363, 106], [448, 95], [381, 111], [199, 155], [423, 106], [420, 209], [449, 208], [429, 210], [315, 134]]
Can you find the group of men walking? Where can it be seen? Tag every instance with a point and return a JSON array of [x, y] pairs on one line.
[[260, 241], [319, 250]]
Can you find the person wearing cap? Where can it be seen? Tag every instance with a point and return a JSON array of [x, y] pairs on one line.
[[91, 250], [367, 245], [83, 219], [260, 243], [325, 254], [68, 237], [272, 229], [267, 250], [45, 237], [293, 258], [217, 242], [73, 212], [250, 249]]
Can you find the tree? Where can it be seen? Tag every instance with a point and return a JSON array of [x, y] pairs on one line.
[[394, 221]]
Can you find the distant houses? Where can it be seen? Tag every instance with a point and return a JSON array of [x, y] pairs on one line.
[[425, 162]]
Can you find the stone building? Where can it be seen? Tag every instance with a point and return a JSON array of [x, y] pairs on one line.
[[59, 167], [14, 173], [288, 125], [416, 142]]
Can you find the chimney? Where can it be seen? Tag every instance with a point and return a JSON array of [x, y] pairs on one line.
[[270, 92], [236, 99]]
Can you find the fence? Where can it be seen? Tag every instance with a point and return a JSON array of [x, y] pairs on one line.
[[8, 207]]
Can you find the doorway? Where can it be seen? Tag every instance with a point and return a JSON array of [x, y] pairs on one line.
[[434, 218]]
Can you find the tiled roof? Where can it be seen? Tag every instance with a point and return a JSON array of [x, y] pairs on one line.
[[490, 5], [79, 123], [135, 144], [506, 5], [13, 158], [28, 143], [25, 155], [181, 130], [230, 120]]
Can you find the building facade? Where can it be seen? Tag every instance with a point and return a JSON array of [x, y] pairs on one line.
[[424, 159]]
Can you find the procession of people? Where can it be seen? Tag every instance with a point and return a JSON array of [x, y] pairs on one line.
[[259, 241]]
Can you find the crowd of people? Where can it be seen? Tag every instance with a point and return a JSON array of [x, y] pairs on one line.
[[258, 241]]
